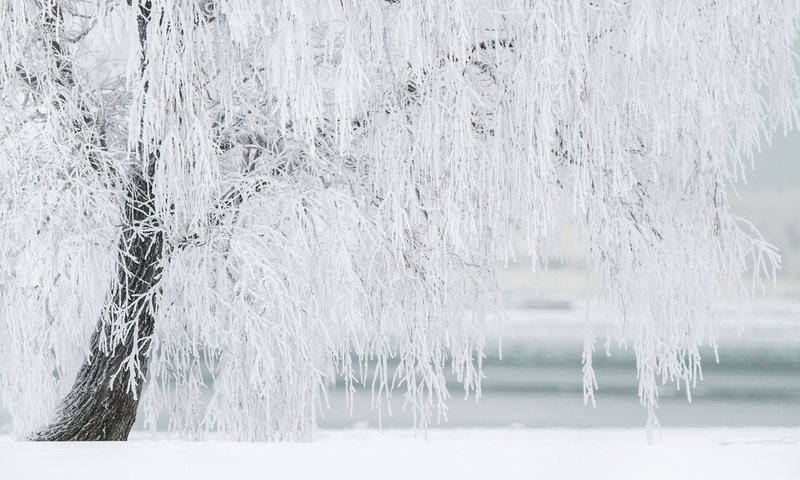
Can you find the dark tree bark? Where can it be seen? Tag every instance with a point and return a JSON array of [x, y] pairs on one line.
[[100, 405], [103, 401]]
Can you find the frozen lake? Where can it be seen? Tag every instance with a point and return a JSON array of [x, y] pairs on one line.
[[539, 381]]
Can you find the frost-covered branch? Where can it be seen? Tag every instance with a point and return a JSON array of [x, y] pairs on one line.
[[334, 182]]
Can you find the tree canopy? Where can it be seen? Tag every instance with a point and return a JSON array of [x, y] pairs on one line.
[[331, 184]]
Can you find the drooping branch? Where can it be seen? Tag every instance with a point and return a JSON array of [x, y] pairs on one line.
[[67, 90], [392, 150]]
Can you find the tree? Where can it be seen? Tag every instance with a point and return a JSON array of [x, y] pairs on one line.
[[279, 192]]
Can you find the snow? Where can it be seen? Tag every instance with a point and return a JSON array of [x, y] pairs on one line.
[[618, 454]]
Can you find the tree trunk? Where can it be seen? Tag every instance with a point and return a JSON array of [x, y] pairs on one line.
[[104, 398], [101, 406]]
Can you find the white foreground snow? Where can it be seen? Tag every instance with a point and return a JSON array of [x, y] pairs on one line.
[[728, 454]]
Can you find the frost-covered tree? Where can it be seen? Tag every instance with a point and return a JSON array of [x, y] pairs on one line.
[[277, 192]]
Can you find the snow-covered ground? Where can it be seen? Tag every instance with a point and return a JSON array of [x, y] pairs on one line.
[[618, 454]]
